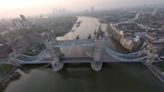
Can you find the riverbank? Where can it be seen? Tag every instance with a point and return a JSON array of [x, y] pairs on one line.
[[4, 69], [156, 71], [161, 66], [60, 25], [6, 72]]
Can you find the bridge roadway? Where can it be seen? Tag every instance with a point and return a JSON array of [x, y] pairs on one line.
[[79, 42], [101, 54]]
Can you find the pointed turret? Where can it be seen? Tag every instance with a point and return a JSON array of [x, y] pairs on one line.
[[89, 36]]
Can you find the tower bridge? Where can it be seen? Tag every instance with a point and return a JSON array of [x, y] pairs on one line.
[[101, 54]]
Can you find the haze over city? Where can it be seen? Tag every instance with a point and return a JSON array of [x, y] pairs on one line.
[[11, 8], [81, 45]]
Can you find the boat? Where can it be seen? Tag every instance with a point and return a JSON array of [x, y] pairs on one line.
[[78, 24]]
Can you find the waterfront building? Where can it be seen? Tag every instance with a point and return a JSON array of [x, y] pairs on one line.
[[128, 34]]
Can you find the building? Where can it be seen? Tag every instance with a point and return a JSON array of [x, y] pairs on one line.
[[128, 34], [21, 23]]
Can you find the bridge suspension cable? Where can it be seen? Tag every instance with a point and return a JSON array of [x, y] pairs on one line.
[[33, 57], [139, 59], [34, 60], [129, 55]]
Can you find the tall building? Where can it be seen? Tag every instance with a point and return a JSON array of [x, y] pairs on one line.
[[21, 23], [23, 17], [92, 9]]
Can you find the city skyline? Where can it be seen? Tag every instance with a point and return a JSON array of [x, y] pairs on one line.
[[11, 8]]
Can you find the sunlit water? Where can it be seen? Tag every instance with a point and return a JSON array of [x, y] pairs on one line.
[[81, 78]]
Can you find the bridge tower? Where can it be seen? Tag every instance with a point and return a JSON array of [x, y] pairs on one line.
[[98, 53], [54, 52]]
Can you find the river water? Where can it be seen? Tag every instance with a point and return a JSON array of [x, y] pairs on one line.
[[81, 78]]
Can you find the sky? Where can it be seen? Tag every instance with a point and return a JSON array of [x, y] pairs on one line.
[[12, 8]]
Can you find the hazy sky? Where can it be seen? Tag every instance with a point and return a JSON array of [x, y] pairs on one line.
[[10, 8]]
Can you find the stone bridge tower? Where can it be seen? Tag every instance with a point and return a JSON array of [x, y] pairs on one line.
[[54, 53]]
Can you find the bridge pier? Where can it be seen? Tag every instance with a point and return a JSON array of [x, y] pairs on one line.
[[57, 65], [96, 66]]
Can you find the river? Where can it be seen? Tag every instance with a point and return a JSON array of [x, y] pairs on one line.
[[116, 77]]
